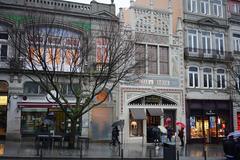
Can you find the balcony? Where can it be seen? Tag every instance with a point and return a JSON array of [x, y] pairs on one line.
[[209, 55]]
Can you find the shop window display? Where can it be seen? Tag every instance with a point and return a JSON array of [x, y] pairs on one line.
[[206, 127], [196, 127], [136, 128]]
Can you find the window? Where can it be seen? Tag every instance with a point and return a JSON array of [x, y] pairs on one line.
[[192, 40], [193, 77], [217, 9], [236, 43], [221, 78], [3, 46], [237, 71], [192, 6], [206, 42], [140, 58], [204, 7], [152, 59], [219, 40], [32, 88], [164, 60], [207, 78], [236, 8]]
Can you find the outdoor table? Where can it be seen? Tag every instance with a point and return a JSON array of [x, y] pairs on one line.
[[81, 139], [44, 138], [49, 140]]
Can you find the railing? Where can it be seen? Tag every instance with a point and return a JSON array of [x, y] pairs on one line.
[[16, 63], [207, 54]]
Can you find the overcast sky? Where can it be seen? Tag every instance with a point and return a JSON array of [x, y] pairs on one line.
[[118, 3]]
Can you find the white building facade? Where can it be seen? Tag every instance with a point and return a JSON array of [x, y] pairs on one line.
[[157, 98]]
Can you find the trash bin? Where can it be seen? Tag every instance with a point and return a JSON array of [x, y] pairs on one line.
[[169, 151]]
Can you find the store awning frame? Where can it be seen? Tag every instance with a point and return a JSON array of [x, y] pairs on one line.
[[138, 113], [155, 111]]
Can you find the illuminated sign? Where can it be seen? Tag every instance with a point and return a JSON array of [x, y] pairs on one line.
[[3, 100]]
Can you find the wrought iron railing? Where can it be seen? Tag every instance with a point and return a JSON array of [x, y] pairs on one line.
[[207, 54]]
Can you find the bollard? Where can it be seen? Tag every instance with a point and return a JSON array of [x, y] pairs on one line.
[[41, 156], [177, 155], [121, 153], [150, 154], [205, 154], [80, 149], [119, 149]]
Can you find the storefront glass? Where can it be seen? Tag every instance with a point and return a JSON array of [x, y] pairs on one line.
[[31, 120], [136, 128], [196, 126], [207, 127], [38, 119]]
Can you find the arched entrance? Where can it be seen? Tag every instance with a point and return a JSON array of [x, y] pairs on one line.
[[3, 108], [151, 108]]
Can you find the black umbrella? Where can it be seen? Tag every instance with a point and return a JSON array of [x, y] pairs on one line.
[[118, 123]]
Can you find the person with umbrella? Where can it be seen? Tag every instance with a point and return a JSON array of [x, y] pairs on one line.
[[115, 134], [181, 132], [181, 135]]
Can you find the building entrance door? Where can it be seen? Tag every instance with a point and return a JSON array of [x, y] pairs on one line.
[[3, 122], [152, 121]]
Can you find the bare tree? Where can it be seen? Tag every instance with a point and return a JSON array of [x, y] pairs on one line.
[[55, 54]]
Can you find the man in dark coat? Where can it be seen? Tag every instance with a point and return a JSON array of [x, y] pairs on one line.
[[115, 134], [169, 133], [237, 149]]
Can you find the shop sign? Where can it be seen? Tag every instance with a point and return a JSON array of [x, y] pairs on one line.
[[3, 100], [210, 112]]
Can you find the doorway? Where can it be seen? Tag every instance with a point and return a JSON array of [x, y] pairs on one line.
[[152, 121], [3, 122]]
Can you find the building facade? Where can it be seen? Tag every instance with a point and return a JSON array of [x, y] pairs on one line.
[[206, 52], [157, 97], [23, 105], [234, 40]]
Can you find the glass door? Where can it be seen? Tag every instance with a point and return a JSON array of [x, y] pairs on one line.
[[206, 130]]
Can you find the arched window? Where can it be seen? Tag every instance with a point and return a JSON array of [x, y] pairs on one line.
[[207, 78], [193, 81], [221, 78]]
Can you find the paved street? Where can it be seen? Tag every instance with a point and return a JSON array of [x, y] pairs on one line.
[[26, 150]]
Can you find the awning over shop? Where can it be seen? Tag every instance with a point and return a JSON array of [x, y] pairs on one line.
[[155, 111], [138, 113]]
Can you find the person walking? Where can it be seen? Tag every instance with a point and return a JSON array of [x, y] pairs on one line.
[[169, 133], [115, 134], [181, 135]]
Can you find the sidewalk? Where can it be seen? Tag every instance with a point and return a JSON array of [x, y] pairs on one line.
[[26, 150]]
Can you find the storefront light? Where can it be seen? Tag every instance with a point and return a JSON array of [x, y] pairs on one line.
[[3, 100], [1, 149], [134, 124]]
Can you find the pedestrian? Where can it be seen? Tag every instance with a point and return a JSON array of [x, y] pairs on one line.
[[181, 135], [115, 134], [156, 135], [237, 149], [169, 133], [229, 147]]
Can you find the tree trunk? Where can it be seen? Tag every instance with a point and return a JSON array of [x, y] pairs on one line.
[[71, 143], [80, 126]]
